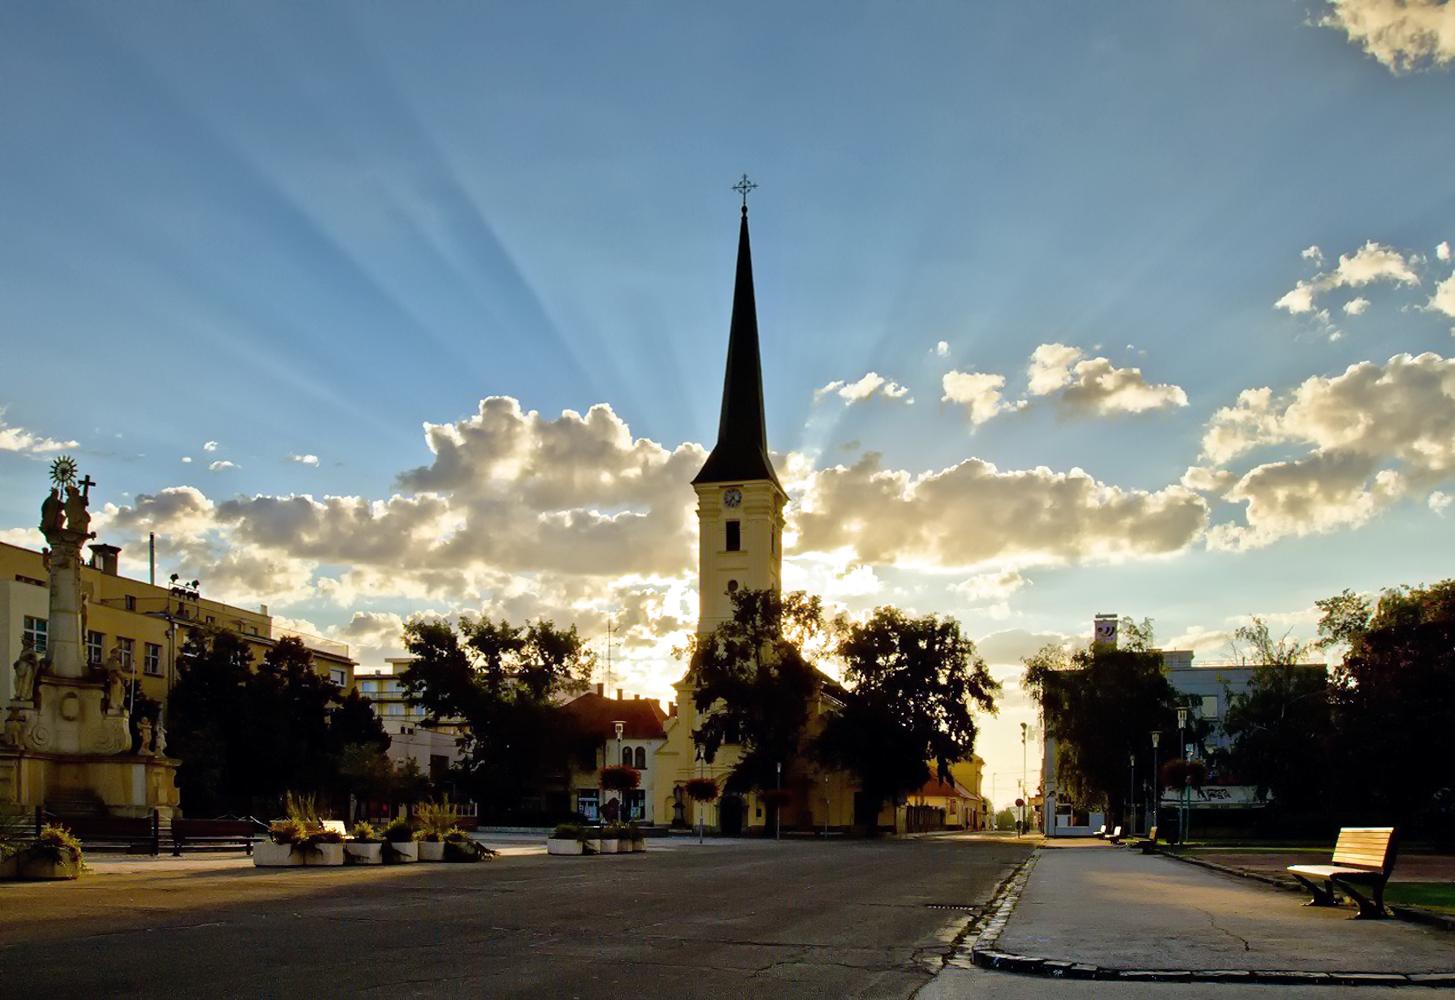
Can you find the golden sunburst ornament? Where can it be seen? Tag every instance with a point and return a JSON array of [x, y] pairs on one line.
[[63, 471]]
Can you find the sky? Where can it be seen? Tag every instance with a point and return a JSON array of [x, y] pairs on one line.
[[373, 311]]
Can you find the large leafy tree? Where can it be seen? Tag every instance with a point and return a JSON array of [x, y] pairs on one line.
[[1280, 725], [505, 682], [1394, 701], [1100, 704], [247, 734], [753, 683], [913, 684]]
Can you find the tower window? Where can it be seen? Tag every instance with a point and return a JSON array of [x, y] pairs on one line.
[[732, 586], [734, 536]]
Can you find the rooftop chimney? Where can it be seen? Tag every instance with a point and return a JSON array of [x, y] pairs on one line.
[[600, 688], [103, 557], [619, 695]]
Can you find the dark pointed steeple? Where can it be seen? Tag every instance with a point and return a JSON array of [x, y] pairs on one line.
[[741, 452]]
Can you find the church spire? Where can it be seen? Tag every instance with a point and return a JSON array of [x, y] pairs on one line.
[[741, 452]]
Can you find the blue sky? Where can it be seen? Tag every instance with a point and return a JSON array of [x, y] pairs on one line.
[[310, 229]]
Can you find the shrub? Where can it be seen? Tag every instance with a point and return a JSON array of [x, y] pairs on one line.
[[57, 845], [701, 789], [568, 831], [399, 831], [303, 808], [322, 835], [620, 778], [436, 819], [635, 832], [287, 831], [364, 832]]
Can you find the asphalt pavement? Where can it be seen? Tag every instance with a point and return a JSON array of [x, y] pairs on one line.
[[753, 919]]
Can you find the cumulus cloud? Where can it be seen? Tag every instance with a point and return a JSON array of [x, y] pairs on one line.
[[972, 515], [1442, 251], [210, 446], [304, 459], [1403, 35], [1095, 385], [1207, 479], [221, 465], [1371, 263], [869, 386], [989, 586], [19, 439], [942, 349], [1444, 298], [1313, 253], [1356, 307], [1439, 502], [186, 459], [978, 392], [1368, 436]]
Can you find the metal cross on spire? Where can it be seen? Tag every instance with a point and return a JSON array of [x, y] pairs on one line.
[[742, 187]]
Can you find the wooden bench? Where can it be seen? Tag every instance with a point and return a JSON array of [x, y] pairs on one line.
[[1148, 844], [215, 835], [1115, 837], [132, 834], [1362, 854], [1101, 832]]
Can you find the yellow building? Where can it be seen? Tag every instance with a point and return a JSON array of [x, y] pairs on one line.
[[144, 624], [970, 775]]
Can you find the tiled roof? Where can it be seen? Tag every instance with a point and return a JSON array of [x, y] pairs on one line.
[[643, 716]]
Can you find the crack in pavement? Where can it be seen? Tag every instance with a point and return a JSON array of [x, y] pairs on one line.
[[1212, 922]]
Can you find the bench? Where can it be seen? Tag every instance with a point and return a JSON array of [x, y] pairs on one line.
[[226, 834], [1115, 836], [1101, 832], [132, 834], [1148, 844], [1363, 855]]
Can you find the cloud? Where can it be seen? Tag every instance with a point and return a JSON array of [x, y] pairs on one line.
[[1356, 307], [989, 586], [1368, 436], [1442, 251], [1370, 263], [1095, 385], [942, 348], [1439, 502], [1313, 253], [304, 459], [221, 465], [1444, 298], [18, 439], [1206, 479], [869, 386], [186, 459], [973, 515], [979, 393], [210, 446], [1403, 35]]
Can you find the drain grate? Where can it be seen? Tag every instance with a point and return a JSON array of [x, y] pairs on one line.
[[965, 907]]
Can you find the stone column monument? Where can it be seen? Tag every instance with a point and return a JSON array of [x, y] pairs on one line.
[[67, 732]]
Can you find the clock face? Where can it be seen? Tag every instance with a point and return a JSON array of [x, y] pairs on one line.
[[732, 498]]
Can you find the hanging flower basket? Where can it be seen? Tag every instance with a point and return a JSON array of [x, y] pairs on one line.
[[620, 778], [701, 789]]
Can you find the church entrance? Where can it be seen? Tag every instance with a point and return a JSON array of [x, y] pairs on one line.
[[730, 815]]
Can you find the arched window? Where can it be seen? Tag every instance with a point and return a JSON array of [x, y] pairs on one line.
[[626, 756], [641, 758]]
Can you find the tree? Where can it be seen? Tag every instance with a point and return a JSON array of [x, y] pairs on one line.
[[1100, 704], [1394, 701], [753, 684], [1280, 726], [504, 682], [912, 684]]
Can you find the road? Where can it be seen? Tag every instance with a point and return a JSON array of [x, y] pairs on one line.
[[729, 919]]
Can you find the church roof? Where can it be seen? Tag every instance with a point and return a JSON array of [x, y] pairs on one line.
[[741, 452]]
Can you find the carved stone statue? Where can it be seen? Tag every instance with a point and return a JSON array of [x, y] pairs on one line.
[[27, 670], [78, 518], [52, 513], [144, 731], [159, 742], [115, 684]]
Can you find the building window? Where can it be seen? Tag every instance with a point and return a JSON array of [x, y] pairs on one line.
[[636, 804], [626, 756], [587, 803], [339, 677], [125, 647], [130, 601], [94, 641], [211, 620], [152, 660], [734, 536], [641, 758], [33, 633], [1209, 706]]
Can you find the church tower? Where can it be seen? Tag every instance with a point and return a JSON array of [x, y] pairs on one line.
[[739, 499]]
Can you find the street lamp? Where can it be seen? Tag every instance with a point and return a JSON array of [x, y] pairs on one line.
[[1156, 779], [1132, 790], [778, 806], [1025, 790], [620, 728], [700, 760], [1182, 744]]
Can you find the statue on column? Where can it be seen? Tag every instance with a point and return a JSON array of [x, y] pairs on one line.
[[78, 518], [144, 736], [115, 684], [52, 513], [27, 671]]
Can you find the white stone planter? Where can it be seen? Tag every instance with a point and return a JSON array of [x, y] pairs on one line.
[[638, 846], [563, 846], [431, 850], [267, 854], [33, 869], [324, 856], [402, 852], [363, 853], [610, 845]]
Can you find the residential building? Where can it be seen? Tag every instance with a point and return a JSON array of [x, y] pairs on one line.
[[628, 732], [144, 624], [433, 746]]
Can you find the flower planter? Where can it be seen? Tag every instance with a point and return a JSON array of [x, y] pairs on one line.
[[44, 869], [638, 846], [571, 846], [610, 845], [324, 856], [363, 853], [401, 852], [431, 850], [267, 854]]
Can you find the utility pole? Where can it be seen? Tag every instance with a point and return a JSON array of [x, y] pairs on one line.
[[1025, 791]]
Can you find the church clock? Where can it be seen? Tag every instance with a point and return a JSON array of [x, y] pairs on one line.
[[732, 498]]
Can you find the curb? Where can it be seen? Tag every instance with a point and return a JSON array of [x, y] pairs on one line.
[[982, 952]]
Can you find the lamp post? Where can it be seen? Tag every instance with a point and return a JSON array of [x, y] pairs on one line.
[[778, 806], [1025, 790], [1182, 743], [1156, 781], [1132, 790], [699, 801], [620, 727]]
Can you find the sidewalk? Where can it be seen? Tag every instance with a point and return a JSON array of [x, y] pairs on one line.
[[1117, 909]]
